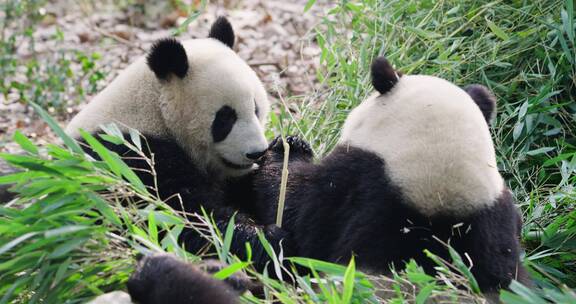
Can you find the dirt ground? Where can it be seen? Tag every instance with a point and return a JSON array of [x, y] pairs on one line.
[[273, 36]]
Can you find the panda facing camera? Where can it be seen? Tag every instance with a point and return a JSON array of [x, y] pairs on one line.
[[201, 110], [198, 92]]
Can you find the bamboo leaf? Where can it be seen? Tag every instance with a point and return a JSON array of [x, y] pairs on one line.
[[226, 272], [25, 143], [68, 141], [349, 276], [309, 5], [497, 30]]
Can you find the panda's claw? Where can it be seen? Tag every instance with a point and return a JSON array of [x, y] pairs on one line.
[[276, 145], [298, 148]]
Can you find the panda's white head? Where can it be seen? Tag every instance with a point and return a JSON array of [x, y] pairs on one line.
[[212, 102], [434, 138]]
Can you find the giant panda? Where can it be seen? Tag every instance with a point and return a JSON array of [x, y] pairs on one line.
[[201, 110], [414, 169]]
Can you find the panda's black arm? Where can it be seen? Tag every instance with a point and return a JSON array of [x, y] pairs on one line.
[[245, 231], [267, 179]]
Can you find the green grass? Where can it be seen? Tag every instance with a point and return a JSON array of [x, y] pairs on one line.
[[66, 240]]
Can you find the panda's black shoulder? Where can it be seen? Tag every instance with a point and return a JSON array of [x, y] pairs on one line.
[[167, 155], [352, 165], [173, 171]]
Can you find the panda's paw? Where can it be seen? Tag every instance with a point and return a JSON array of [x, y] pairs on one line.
[[239, 281], [149, 273], [280, 236], [164, 278], [299, 149]]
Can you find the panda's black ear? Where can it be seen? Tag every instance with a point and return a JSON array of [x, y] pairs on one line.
[[166, 57], [222, 31], [485, 100], [384, 77]]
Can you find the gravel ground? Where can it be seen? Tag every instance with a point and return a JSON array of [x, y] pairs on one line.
[[274, 37]]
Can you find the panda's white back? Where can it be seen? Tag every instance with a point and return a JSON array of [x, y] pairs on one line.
[[435, 142]]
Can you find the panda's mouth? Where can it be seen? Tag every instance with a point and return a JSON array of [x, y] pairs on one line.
[[232, 165]]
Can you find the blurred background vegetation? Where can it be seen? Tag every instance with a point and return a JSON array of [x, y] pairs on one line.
[[64, 240]]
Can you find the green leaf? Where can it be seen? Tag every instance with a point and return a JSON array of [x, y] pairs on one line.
[[542, 150], [18, 177], [349, 282], [326, 267], [184, 26], [309, 5], [135, 137], [129, 174], [65, 230], [152, 228], [457, 261], [497, 31], [102, 152], [16, 241], [526, 294], [228, 237], [65, 248], [25, 143], [230, 270], [424, 293], [113, 130], [61, 272], [68, 141], [111, 139], [105, 209]]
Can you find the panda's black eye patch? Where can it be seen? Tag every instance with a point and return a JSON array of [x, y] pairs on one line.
[[256, 110], [223, 123]]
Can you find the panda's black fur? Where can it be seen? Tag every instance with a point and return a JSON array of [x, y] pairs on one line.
[[168, 57], [348, 205], [164, 278]]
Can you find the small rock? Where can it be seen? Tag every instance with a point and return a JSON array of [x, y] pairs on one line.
[[115, 297]]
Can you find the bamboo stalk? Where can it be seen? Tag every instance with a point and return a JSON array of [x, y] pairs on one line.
[[283, 184]]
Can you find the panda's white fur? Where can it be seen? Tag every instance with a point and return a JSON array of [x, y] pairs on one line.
[[435, 142], [184, 108]]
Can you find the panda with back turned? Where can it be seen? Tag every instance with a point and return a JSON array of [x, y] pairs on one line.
[[201, 110], [415, 169]]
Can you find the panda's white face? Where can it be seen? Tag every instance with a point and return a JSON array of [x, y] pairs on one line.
[[197, 92], [434, 140], [211, 101], [218, 109]]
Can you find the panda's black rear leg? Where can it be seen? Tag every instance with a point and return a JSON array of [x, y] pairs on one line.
[[299, 149]]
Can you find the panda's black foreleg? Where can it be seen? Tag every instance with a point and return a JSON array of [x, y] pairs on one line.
[[494, 247], [245, 231]]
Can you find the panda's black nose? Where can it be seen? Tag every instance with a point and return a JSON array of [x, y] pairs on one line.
[[255, 155]]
